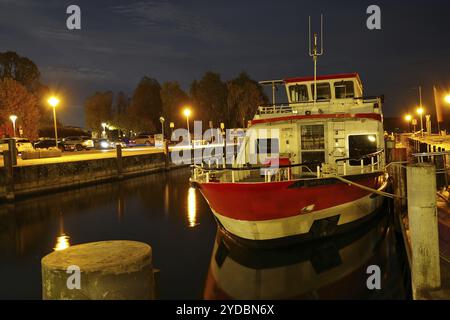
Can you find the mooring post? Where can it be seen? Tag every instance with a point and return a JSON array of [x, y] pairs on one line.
[[9, 175], [399, 178], [423, 225], [166, 154], [105, 270], [119, 161]]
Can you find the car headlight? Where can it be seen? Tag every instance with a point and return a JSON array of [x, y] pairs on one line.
[[104, 144]]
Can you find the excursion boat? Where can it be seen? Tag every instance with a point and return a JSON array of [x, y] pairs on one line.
[[307, 169]]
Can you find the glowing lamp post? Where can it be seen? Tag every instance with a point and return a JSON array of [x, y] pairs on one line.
[[54, 102], [420, 112], [187, 112], [13, 119], [408, 119], [161, 119], [447, 98], [104, 125]]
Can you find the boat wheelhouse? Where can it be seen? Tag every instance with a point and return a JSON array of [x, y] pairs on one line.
[[311, 167]]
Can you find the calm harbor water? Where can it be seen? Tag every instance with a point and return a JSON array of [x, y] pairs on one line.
[[196, 261]]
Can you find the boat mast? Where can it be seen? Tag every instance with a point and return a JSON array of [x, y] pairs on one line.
[[315, 52]]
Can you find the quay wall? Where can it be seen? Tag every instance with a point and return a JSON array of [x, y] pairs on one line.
[[19, 181], [36, 179]]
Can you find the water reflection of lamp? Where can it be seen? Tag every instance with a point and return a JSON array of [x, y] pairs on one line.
[[62, 242], [166, 198], [192, 208]]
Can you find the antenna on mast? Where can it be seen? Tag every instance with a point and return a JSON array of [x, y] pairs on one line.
[[315, 52]]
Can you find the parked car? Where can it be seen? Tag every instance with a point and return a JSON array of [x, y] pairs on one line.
[[22, 144], [144, 139], [50, 143], [108, 144], [80, 143]]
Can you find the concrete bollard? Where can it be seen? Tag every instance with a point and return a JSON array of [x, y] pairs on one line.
[[423, 226], [108, 270]]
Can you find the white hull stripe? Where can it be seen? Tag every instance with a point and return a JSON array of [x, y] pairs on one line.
[[300, 224]]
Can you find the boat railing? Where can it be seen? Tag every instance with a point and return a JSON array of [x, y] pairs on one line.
[[294, 107], [222, 173]]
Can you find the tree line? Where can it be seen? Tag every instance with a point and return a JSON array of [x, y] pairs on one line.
[[211, 99]]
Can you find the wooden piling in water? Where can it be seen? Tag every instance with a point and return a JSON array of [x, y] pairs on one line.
[[9, 175], [119, 161], [423, 226]]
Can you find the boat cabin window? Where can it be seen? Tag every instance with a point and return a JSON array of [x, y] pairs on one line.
[[344, 89], [313, 145], [361, 145], [298, 93], [267, 146], [323, 91]]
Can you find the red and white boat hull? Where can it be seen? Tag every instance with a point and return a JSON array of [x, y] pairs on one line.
[[312, 208]]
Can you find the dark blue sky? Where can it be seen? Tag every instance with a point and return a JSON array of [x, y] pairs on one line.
[[121, 41]]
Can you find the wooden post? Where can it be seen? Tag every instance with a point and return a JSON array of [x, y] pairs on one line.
[[9, 175], [423, 225], [119, 161], [166, 155]]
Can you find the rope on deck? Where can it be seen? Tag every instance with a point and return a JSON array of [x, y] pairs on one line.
[[381, 193]]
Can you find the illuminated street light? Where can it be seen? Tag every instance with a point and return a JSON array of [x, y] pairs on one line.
[[54, 102], [420, 112], [104, 125], [447, 98], [161, 119], [13, 119], [187, 112], [408, 119]]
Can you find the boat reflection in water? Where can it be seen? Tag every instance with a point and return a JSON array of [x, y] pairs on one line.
[[331, 269]]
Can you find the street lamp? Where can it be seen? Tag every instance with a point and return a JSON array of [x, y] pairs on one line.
[[420, 112], [187, 112], [408, 119], [13, 119], [104, 124], [161, 119], [171, 125], [53, 101], [447, 98]]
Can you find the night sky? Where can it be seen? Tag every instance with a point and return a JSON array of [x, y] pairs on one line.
[[121, 41]]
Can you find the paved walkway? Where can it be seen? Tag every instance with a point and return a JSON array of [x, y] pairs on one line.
[[86, 155]]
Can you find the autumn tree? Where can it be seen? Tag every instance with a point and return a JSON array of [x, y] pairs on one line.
[[15, 99], [121, 118], [209, 97], [146, 105], [173, 98], [98, 109], [244, 97], [19, 68]]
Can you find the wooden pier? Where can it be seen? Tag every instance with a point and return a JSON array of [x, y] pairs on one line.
[[422, 210]]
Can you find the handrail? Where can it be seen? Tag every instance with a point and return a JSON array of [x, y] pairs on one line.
[[258, 167], [366, 156], [280, 104], [429, 154]]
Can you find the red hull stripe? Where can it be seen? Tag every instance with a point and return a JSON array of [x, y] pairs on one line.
[[373, 116], [325, 77], [268, 201]]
